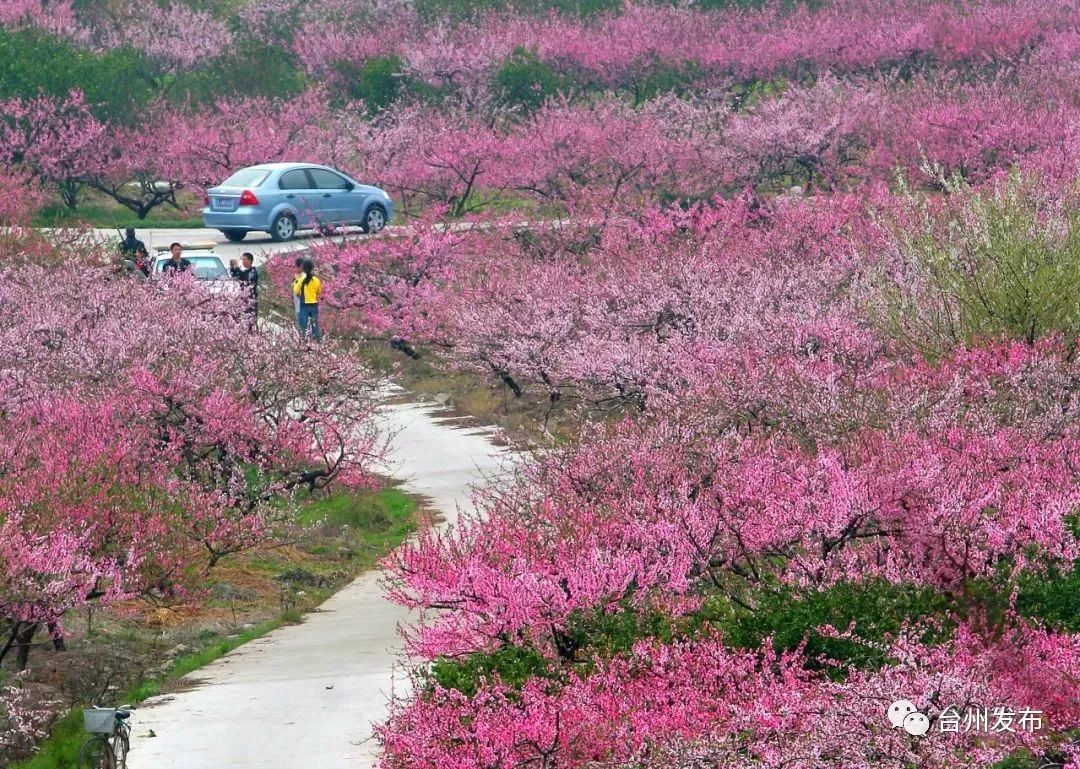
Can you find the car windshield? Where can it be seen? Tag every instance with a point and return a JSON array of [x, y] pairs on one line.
[[204, 267], [247, 177]]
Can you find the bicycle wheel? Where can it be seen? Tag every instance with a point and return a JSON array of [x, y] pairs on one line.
[[120, 747], [96, 754]]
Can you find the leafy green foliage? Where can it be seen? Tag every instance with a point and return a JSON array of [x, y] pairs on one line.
[[527, 82], [117, 84], [664, 77], [1000, 263], [872, 610], [379, 82], [250, 69], [513, 665], [1053, 598]]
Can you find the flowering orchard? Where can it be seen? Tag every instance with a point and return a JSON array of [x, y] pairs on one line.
[[784, 515], [548, 111], [804, 275], [829, 452], [144, 441], [147, 440]]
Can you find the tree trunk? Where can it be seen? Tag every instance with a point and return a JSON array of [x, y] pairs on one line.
[[397, 343], [26, 637], [14, 634], [57, 637]]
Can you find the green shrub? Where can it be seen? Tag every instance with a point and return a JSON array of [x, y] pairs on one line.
[[526, 82], [513, 665], [1004, 262], [117, 84], [379, 82], [664, 77], [873, 610], [1053, 598], [250, 68]]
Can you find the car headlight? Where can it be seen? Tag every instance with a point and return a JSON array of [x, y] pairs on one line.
[[385, 194]]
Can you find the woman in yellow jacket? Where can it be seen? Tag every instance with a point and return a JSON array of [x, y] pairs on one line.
[[307, 289]]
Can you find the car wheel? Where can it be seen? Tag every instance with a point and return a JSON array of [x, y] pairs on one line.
[[374, 219], [234, 236], [283, 228]]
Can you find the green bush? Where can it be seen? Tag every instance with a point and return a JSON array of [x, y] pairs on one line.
[[663, 77], [249, 69], [1004, 262], [1053, 598], [379, 82], [117, 84], [526, 82], [872, 609], [513, 665]]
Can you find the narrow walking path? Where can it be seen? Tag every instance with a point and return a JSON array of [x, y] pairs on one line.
[[306, 695]]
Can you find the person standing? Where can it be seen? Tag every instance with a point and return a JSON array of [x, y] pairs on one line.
[[142, 261], [308, 288], [176, 262], [296, 294], [248, 276], [130, 246]]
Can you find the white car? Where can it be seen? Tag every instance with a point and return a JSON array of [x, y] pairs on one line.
[[205, 265]]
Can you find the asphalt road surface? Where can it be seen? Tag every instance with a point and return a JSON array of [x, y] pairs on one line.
[[306, 695]]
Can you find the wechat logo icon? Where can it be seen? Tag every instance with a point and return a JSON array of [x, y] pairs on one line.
[[904, 715]]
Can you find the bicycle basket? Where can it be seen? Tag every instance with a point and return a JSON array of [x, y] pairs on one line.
[[99, 720]]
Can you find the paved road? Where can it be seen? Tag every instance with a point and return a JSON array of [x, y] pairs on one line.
[[257, 243], [260, 244], [306, 695]]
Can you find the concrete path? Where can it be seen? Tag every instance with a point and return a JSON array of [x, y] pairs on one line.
[[306, 695]]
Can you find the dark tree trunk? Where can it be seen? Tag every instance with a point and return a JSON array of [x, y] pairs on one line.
[[397, 343], [10, 642], [57, 637], [26, 638]]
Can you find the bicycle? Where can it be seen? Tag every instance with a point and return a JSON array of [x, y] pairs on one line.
[[108, 747]]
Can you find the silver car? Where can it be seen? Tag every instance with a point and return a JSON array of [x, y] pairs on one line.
[[281, 198]]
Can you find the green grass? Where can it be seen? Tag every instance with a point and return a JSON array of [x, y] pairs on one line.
[[377, 521], [106, 217], [99, 210]]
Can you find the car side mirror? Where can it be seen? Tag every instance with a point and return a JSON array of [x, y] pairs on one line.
[[350, 186]]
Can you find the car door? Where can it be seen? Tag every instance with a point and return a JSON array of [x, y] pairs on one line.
[[333, 189], [299, 191]]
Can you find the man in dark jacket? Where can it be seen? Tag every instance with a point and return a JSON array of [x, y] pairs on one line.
[[248, 276], [176, 262], [131, 245]]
